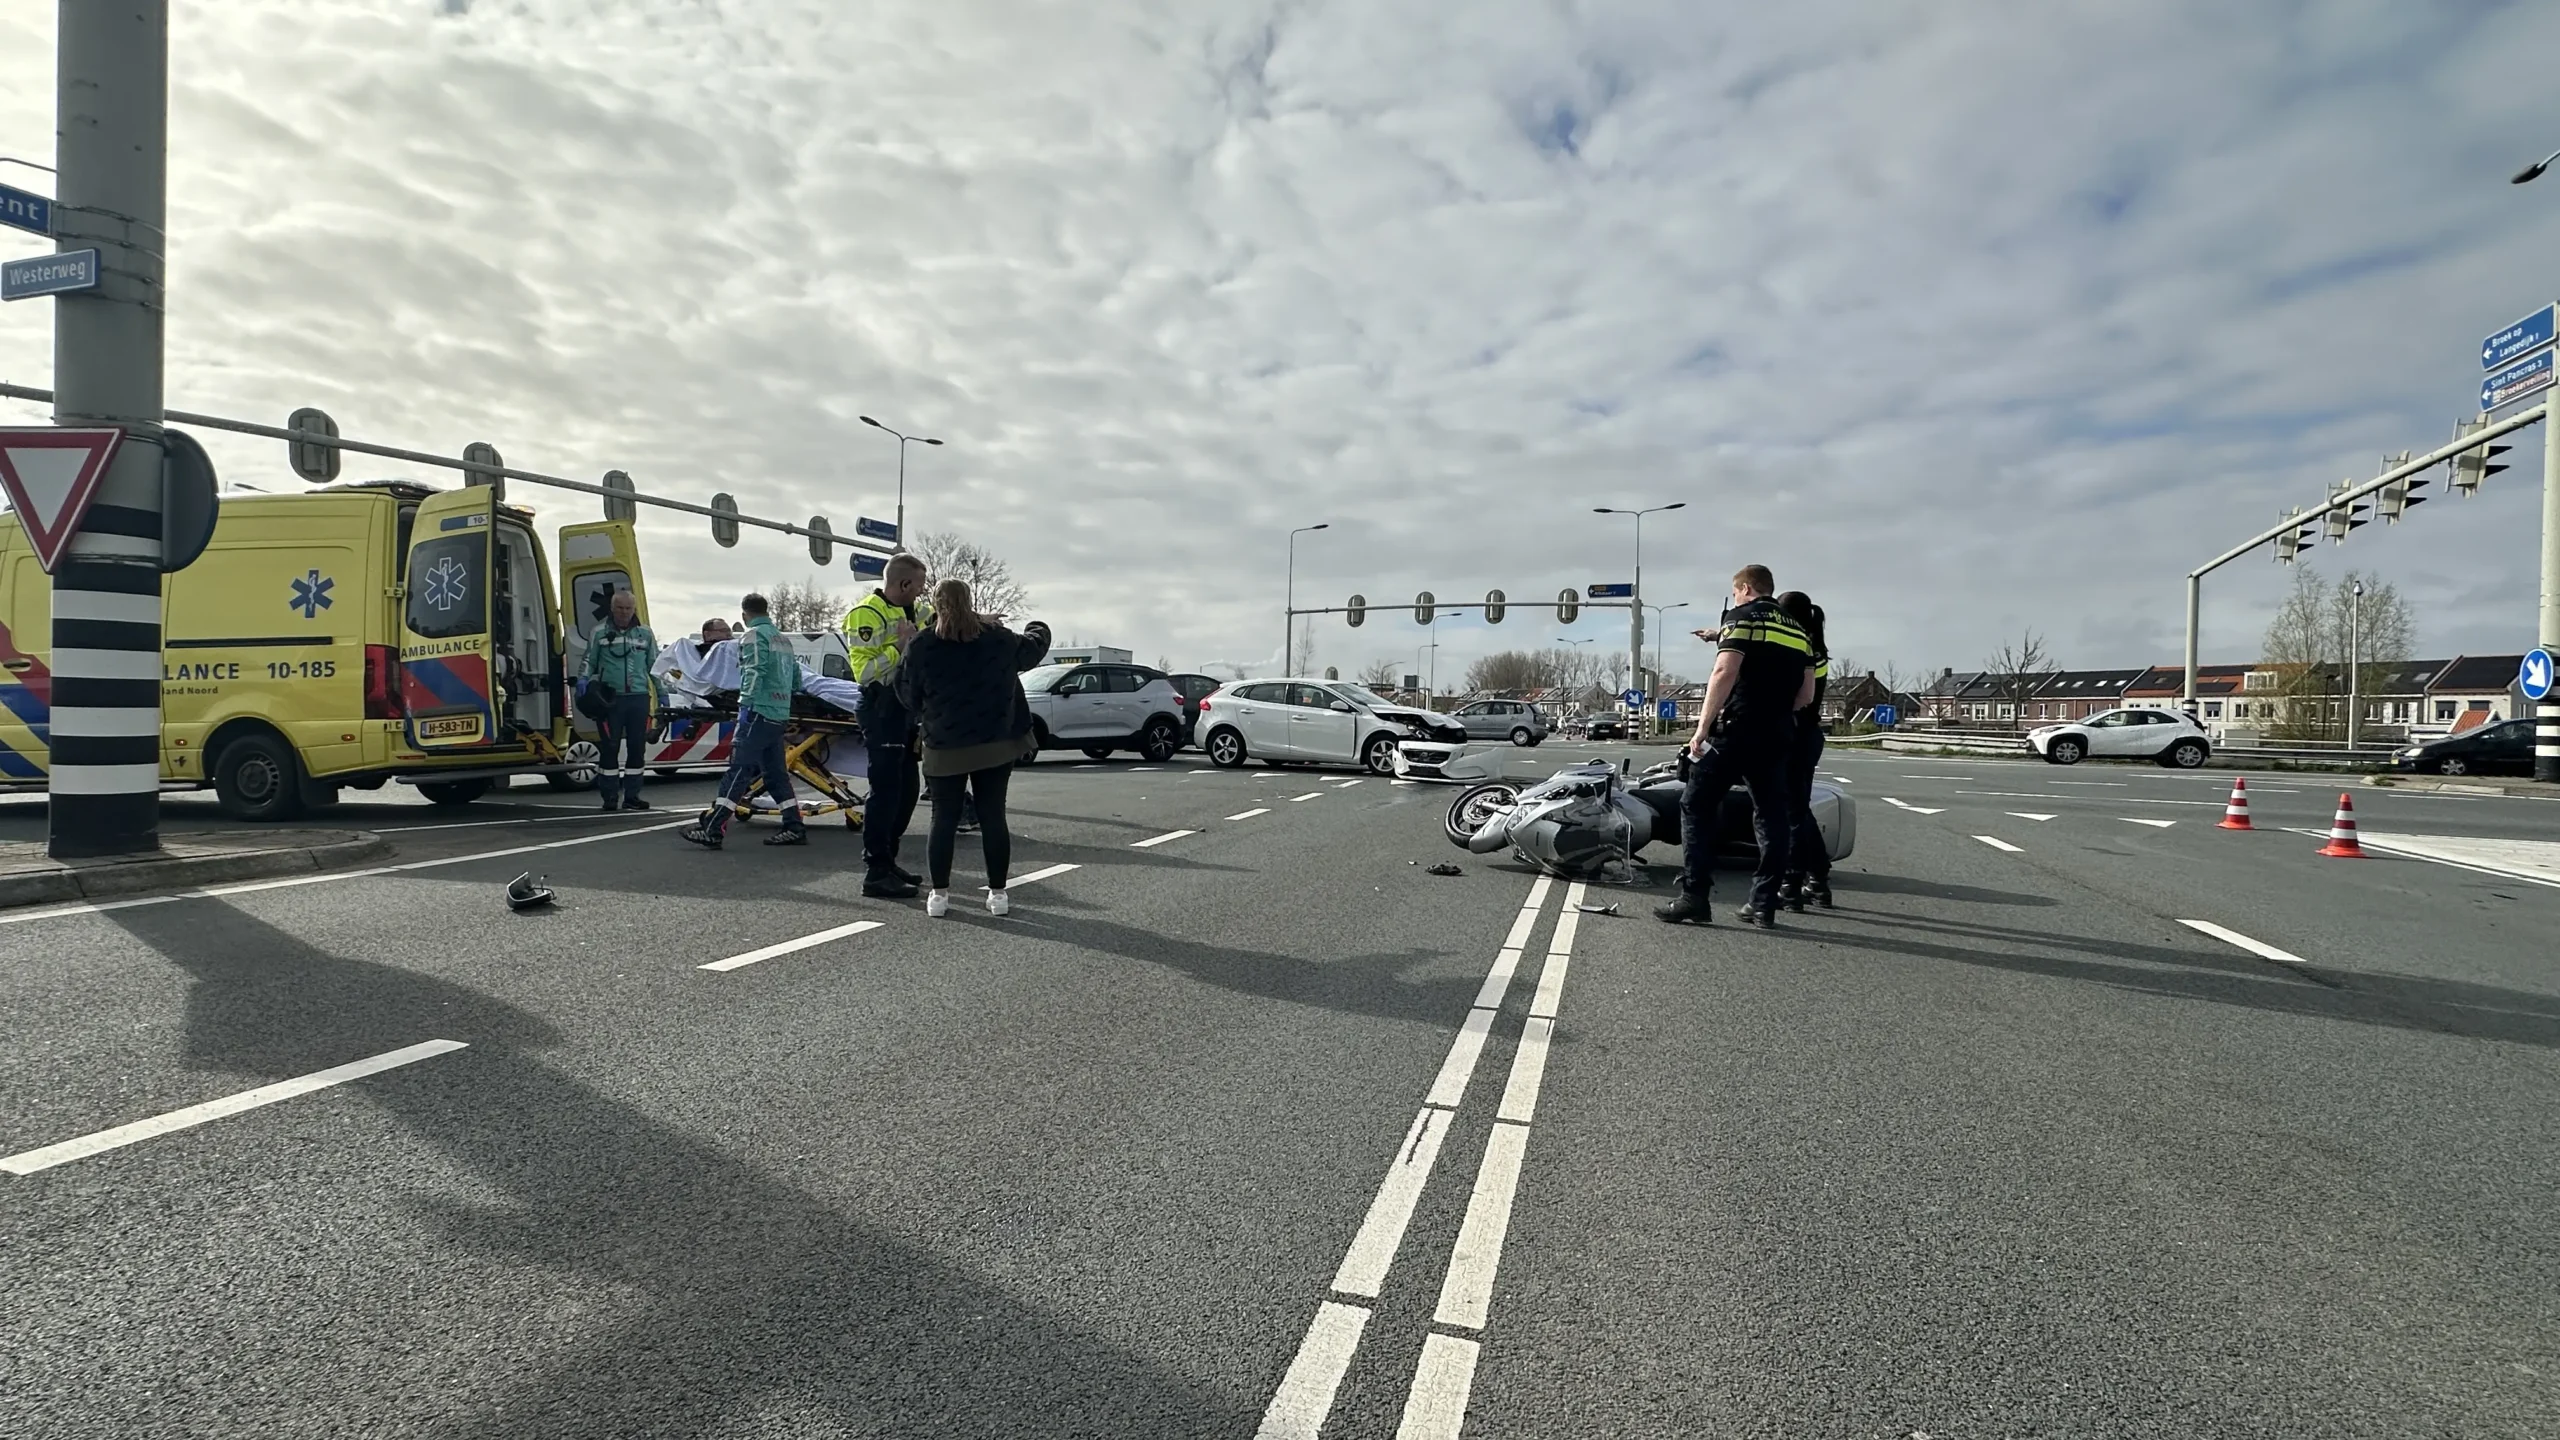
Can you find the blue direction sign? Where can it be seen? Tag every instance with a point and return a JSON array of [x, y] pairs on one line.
[[870, 567], [49, 275], [1886, 716], [2520, 339], [26, 210], [2535, 674], [870, 529], [1632, 698], [2516, 381], [1609, 592], [1667, 709]]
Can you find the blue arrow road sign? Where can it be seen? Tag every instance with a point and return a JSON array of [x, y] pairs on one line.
[[2535, 674], [26, 210], [1609, 592], [2516, 381], [49, 275], [1667, 709], [1886, 716], [2520, 339], [870, 529], [1633, 697]]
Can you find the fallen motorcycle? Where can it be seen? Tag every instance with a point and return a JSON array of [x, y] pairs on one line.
[[1588, 821]]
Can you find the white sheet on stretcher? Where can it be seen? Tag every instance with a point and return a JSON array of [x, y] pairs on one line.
[[717, 670]]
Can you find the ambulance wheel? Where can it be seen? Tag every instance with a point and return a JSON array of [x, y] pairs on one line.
[[258, 777], [584, 755], [449, 793]]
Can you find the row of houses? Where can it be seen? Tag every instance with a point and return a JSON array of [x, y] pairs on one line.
[[2409, 697], [2401, 699]]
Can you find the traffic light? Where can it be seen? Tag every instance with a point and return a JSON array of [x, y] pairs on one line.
[[1568, 605], [1493, 607], [2477, 463], [1359, 608], [2343, 516], [1422, 608], [2290, 543], [2399, 495]]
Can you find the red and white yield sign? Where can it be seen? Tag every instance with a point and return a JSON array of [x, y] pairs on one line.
[[51, 475]]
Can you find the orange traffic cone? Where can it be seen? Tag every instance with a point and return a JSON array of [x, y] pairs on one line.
[[2342, 833], [2236, 815]]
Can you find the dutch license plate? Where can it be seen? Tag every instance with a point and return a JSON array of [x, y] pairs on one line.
[[457, 725]]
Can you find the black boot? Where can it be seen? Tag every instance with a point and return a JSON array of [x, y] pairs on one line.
[[888, 885], [1686, 908], [1765, 918], [1817, 888], [1791, 893]]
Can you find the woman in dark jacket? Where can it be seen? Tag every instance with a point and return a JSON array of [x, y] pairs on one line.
[[961, 680]]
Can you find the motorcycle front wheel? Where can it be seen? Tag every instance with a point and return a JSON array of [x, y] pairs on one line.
[[1476, 805]]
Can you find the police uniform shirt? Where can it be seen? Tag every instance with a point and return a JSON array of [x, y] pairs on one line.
[[1775, 652]]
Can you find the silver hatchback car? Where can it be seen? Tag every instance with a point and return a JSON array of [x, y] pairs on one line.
[[1517, 721]]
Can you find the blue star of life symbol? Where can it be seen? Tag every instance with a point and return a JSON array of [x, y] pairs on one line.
[[447, 583], [311, 594]]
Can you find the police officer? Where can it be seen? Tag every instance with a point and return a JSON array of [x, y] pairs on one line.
[[1808, 859], [876, 632], [1746, 733]]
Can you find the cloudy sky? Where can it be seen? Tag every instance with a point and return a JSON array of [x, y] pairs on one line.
[[1965, 318]]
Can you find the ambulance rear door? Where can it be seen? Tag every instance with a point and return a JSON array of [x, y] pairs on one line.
[[445, 643], [597, 562]]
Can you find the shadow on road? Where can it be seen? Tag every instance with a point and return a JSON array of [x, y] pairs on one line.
[[752, 1298], [2404, 1002]]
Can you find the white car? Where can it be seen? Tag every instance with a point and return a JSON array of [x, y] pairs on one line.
[[2171, 737], [1100, 708], [1314, 722]]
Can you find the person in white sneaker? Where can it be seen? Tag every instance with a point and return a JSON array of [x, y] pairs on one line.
[[961, 679]]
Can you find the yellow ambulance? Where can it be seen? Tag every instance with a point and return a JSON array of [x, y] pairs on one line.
[[349, 636]]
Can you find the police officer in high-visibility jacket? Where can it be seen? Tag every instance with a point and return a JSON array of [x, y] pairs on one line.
[[876, 632], [1746, 734]]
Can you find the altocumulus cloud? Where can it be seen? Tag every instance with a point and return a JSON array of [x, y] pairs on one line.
[[1964, 317]]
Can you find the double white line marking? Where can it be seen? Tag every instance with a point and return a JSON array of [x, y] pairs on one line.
[[1437, 1404]]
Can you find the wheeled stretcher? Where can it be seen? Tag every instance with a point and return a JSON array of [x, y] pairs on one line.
[[822, 748]]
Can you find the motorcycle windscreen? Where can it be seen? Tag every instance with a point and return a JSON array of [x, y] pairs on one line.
[[445, 643]]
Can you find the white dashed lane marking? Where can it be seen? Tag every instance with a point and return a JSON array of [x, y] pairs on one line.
[[1249, 814], [28, 1162], [740, 962], [2259, 948], [1154, 841], [1996, 843]]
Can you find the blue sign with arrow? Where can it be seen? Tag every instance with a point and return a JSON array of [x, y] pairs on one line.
[[2520, 339], [870, 529], [26, 210], [1632, 699], [1667, 709], [1609, 592], [2535, 674], [2516, 381], [1886, 716]]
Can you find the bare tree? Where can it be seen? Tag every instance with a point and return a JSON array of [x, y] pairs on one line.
[[1610, 671], [1302, 651], [804, 605], [2015, 670], [2308, 641], [1381, 675], [992, 588]]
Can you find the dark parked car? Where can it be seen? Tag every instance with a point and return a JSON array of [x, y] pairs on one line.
[[1193, 689], [1606, 727], [2505, 748]]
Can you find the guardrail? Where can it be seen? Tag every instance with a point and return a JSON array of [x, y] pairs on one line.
[[2010, 742]]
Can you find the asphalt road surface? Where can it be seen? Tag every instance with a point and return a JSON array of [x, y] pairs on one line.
[[1242, 1123]]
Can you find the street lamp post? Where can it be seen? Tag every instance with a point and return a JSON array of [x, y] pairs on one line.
[[1635, 639], [1657, 636], [1289, 607], [2355, 646], [903, 442]]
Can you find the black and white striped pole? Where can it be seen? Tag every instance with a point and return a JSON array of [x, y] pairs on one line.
[[111, 101]]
